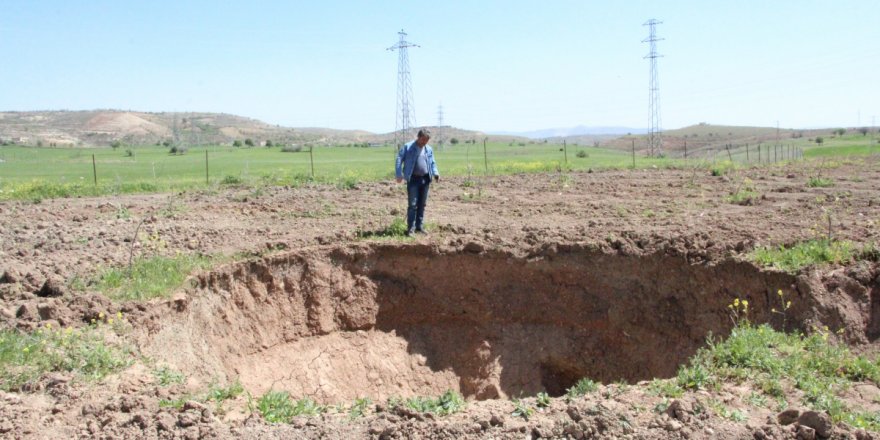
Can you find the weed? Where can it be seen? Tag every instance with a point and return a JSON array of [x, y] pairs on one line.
[[231, 180], [359, 408], [581, 388], [27, 356], [397, 229], [522, 409], [804, 254], [665, 388], [543, 400], [449, 403], [149, 277], [278, 407], [218, 393], [757, 399], [745, 193], [722, 168], [819, 182], [167, 376]]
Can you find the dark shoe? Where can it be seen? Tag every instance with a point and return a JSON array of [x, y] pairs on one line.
[[409, 232], [420, 231]]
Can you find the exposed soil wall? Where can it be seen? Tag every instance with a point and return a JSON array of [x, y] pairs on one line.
[[386, 320]]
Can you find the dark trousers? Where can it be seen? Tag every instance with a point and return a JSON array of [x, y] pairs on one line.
[[417, 197]]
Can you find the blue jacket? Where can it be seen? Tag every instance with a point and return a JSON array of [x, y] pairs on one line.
[[407, 158]]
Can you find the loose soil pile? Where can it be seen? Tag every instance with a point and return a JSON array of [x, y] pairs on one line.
[[526, 284]]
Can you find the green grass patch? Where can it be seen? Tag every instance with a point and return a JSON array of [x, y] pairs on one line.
[[819, 368], [396, 230], [805, 253], [819, 182], [27, 356], [449, 402], [278, 407], [581, 388], [152, 277]]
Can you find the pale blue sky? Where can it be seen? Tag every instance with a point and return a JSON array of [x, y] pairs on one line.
[[494, 65]]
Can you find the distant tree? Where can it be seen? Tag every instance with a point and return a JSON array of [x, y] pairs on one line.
[[115, 144], [166, 143], [249, 142], [268, 143], [839, 131], [453, 141], [820, 140], [236, 143], [864, 131], [39, 143]]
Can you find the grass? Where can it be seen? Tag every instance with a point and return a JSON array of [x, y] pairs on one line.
[[396, 230], [448, 403], [167, 376], [278, 407], [820, 369], [819, 182], [581, 388], [32, 173], [26, 356], [803, 254], [151, 277]]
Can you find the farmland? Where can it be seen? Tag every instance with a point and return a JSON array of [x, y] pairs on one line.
[[586, 261]]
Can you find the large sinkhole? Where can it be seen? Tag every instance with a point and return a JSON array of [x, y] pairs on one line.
[[387, 320]]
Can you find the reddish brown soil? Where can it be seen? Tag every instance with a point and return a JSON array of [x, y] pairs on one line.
[[526, 283]]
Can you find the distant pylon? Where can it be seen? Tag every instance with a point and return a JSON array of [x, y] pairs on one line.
[[654, 138], [406, 115], [439, 134]]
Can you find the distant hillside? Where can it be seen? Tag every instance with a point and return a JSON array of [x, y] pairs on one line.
[[103, 127], [572, 132], [707, 136]]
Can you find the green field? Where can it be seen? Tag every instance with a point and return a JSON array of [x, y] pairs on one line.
[[31, 172], [36, 173]]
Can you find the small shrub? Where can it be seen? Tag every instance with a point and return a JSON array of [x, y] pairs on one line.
[[543, 400], [582, 388], [582, 154], [449, 403], [521, 409], [231, 180], [129, 152], [819, 182], [291, 149], [278, 407]]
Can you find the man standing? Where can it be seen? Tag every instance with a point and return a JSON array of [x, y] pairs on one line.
[[415, 164]]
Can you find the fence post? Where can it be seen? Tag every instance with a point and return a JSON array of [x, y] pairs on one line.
[[312, 160], [94, 171], [634, 153], [565, 151], [685, 149], [206, 166], [485, 157], [747, 154], [729, 156]]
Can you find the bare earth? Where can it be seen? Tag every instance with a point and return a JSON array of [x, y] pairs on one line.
[[524, 284]]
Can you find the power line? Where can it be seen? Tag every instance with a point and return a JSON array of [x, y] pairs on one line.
[[654, 138], [406, 116]]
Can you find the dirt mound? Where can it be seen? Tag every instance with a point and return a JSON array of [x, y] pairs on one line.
[[392, 320]]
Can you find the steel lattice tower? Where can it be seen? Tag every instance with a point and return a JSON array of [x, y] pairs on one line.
[[406, 115], [654, 137], [439, 124]]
